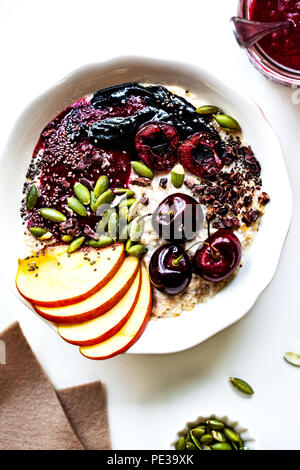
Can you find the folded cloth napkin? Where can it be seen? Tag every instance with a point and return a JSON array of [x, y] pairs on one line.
[[35, 416]]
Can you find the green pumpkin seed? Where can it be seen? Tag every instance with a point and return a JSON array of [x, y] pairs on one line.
[[67, 238], [180, 444], [127, 202], [103, 224], [137, 250], [231, 435], [46, 236], [215, 424], [292, 358], [142, 170], [101, 185], [93, 201], [124, 233], [32, 197], [221, 446], [77, 207], [228, 122], [218, 436], [37, 232], [190, 446], [133, 210], [177, 176], [206, 439], [52, 214], [195, 441], [207, 109], [123, 216], [113, 225], [136, 229], [103, 241], [82, 193], [198, 432], [105, 198], [127, 192], [241, 385], [76, 244], [205, 447], [128, 245]]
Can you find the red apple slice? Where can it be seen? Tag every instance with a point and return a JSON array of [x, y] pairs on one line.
[[105, 326], [54, 278], [131, 331], [99, 303]]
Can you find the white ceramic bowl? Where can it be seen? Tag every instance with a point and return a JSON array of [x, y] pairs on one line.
[[189, 329]]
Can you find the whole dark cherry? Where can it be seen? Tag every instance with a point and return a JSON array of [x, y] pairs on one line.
[[178, 217], [170, 269], [219, 257], [156, 144], [200, 154]]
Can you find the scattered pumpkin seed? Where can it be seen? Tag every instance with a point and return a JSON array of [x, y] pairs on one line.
[[137, 229], [133, 210], [221, 446], [52, 214], [37, 232], [82, 193], [215, 424], [93, 201], [105, 198], [142, 170], [103, 241], [190, 446], [206, 439], [77, 207], [127, 192], [32, 197], [137, 250], [46, 236], [123, 216], [180, 444], [76, 244], [124, 233], [207, 109], [177, 176], [103, 224], [126, 202], [101, 185], [195, 440], [231, 435], [227, 122], [241, 385], [198, 431], [292, 358], [67, 238], [218, 436], [113, 225], [128, 245]]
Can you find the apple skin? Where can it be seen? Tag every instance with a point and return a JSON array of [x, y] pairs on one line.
[[109, 333], [95, 312], [146, 287], [75, 299]]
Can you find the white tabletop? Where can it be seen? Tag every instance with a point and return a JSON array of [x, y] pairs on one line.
[[150, 397]]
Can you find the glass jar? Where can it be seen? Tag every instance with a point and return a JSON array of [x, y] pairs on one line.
[[263, 62]]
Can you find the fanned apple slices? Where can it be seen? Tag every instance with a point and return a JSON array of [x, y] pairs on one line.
[[56, 278], [105, 326], [131, 331], [100, 302]]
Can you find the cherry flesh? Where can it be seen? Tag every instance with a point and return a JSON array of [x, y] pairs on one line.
[[219, 257], [170, 269], [178, 217]]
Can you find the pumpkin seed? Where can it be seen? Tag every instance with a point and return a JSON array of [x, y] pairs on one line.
[[195, 440], [124, 233], [190, 446], [228, 122], [142, 170], [133, 210], [93, 201], [76, 244], [177, 176], [46, 236], [231, 435], [67, 238], [292, 358], [77, 207], [206, 439], [127, 202], [32, 197], [123, 216], [137, 250], [198, 431], [221, 446], [101, 185], [82, 193], [52, 214], [218, 436], [180, 444], [207, 109], [205, 447], [215, 424], [136, 229], [128, 245], [241, 385], [103, 241], [127, 192], [37, 232], [113, 224], [102, 225], [105, 198]]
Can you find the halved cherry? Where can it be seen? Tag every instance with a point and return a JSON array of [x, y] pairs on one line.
[[156, 144], [199, 154]]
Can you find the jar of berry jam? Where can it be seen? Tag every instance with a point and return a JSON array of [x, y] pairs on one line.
[[277, 55]]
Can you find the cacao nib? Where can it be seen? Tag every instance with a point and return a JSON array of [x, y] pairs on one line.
[[90, 233], [264, 198], [163, 182], [141, 181]]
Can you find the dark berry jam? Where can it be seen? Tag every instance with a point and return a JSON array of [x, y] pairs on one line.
[[282, 46]]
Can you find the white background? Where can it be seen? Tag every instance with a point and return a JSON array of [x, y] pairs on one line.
[[151, 397]]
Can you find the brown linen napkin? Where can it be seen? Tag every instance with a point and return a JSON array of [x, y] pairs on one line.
[[32, 417]]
